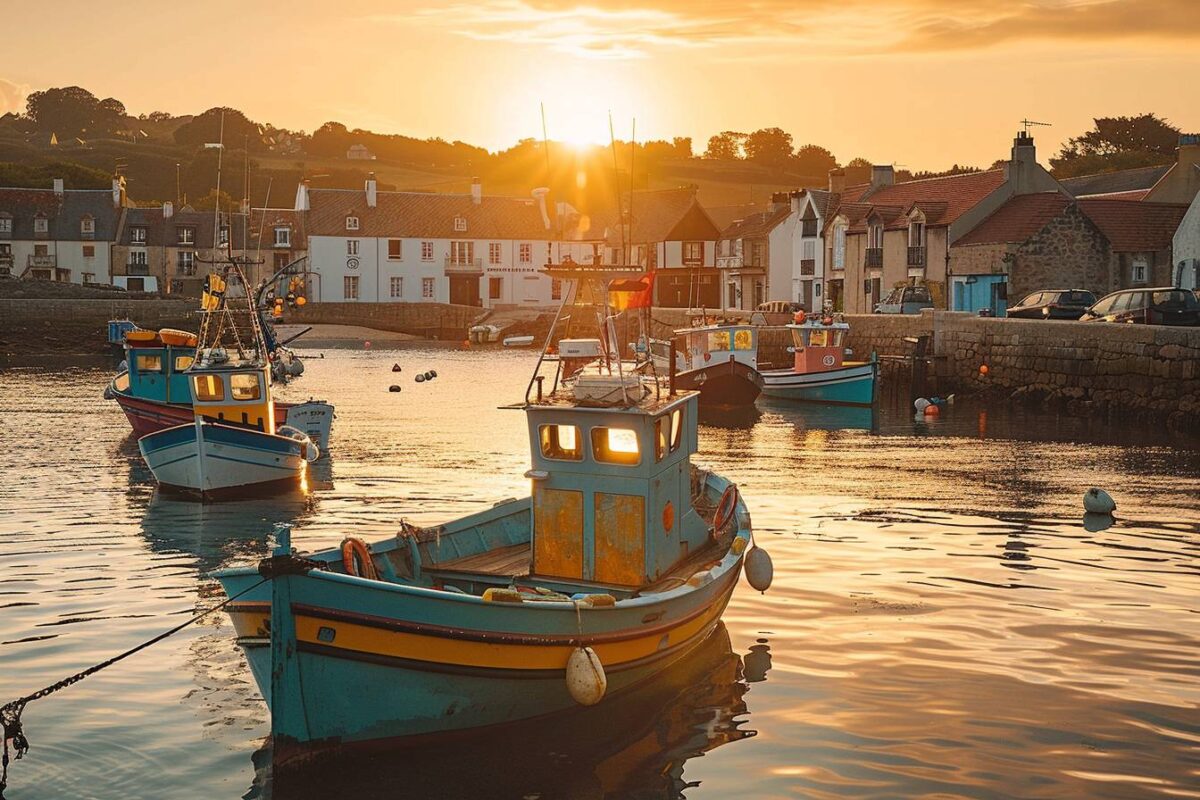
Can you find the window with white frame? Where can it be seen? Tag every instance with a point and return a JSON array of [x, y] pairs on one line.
[[693, 252], [6, 225], [493, 252], [187, 262], [460, 223], [875, 235], [87, 226], [350, 287], [427, 251], [41, 224], [185, 234], [839, 246], [462, 253], [283, 236], [916, 233], [427, 288], [89, 277], [1141, 267], [223, 236], [351, 223], [525, 253], [137, 234], [397, 287], [352, 247], [137, 258], [394, 249], [808, 250]]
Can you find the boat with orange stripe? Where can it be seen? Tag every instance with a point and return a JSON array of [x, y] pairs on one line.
[[618, 565]]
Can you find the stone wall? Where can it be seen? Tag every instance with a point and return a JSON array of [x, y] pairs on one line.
[[36, 326], [435, 320], [1068, 253]]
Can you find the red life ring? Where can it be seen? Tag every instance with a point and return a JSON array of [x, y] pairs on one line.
[[725, 508], [356, 559]]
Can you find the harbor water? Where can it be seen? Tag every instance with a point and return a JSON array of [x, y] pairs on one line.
[[943, 622]]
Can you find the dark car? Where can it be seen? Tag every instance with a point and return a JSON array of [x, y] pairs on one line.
[[1053, 304], [1162, 306]]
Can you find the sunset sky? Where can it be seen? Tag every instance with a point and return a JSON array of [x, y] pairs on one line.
[[919, 83]]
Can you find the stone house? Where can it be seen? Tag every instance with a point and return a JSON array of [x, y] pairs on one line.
[[1139, 234], [162, 249]]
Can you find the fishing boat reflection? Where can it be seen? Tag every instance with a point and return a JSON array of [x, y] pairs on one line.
[[635, 744], [824, 417], [744, 417]]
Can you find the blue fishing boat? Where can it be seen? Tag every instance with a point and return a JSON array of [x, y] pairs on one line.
[[617, 566], [820, 373]]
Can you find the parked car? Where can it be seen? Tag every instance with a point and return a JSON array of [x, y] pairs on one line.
[[905, 300], [1053, 304], [1164, 305]]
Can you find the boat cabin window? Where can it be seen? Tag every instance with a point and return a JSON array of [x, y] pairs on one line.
[[668, 434], [244, 387], [183, 362], [743, 340], [818, 337], [208, 388], [615, 446], [718, 340], [151, 363], [560, 442]]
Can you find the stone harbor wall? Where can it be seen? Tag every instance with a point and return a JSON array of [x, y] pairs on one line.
[[432, 320], [35, 326]]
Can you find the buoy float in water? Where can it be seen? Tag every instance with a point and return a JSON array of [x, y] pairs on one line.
[[920, 404], [420, 378], [759, 569], [433, 373], [1098, 501], [983, 369], [586, 680], [367, 345], [394, 388], [395, 367], [932, 410]]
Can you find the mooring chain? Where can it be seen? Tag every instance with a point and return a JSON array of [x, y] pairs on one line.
[[10, 713]]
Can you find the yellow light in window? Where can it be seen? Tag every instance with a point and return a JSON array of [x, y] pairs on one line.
[[566, 437], [622, 440]]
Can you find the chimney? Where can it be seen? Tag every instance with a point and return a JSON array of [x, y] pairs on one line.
[[372, 190], [1188, 151], [118, 191], [837, 180], [778, 200], [882, 175], [796, 197], [1022, 165], [477, 194], [539, 194], [58, 185], [302, 195], [168, 210]]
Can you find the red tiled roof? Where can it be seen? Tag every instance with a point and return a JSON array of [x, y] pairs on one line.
[[759, 224], [656, 213], [949, 197], [1018, 219], [1134, 226], [417, 215]]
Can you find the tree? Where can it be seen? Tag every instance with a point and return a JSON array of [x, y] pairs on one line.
[[814, 161], [769, 146], [954, 170], [74, 111], [858, 170], [1117, 143], [207, 127], [683, 146], [725, 146]]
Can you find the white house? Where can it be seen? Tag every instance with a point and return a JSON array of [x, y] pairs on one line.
[[1185, 248], [807, 279], [373, 246]]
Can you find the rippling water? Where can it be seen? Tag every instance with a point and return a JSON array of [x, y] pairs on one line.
[[942, 622]]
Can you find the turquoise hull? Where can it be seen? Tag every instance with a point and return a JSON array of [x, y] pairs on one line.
[[854, 385]]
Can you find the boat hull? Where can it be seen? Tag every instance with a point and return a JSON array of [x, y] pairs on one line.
[[728, 383], [849, 385], [212, 459]]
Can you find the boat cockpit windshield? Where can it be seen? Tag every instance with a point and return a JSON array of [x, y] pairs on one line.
[[818, 337]]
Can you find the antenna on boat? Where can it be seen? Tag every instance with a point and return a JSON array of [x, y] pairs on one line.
[[545, 142], [612, 138], [217, 196]]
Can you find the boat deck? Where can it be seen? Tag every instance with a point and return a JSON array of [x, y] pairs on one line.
[[512, 560]]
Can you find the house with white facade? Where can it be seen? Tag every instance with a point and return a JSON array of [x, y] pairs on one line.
[[810, 208], [1185, 247], [750, 250], [60, 234], [380, 246]]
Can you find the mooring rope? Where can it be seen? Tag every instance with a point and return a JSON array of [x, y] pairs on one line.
[[10, 713]]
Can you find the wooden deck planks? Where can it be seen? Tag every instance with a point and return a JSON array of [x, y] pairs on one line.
[[511, 560]]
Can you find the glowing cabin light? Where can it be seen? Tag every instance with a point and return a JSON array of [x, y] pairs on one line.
[[622, 440], [566, 437]]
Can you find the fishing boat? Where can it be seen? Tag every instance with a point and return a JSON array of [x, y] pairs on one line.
[[820, 373], [518, 340], [719, 361], [232, 442], [618, 565]]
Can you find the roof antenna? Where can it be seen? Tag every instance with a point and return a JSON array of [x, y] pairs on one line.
[[1028, 122]]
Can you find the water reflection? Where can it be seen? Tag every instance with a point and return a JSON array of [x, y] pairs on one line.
[[816, 417], [633, 745]]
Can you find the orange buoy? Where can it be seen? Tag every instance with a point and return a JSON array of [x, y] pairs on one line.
[[932, 410], [983, 369]]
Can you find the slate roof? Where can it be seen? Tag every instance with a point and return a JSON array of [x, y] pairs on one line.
[[755, 225], [424, 215], [1134, 226], [656, 214], [1017, 220], [1124, 180], [822, 200], [64, 213]]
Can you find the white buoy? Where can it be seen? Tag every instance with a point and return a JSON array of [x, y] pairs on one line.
[[585, 677], [920, 404], [1098, 501], [759, 569], [295, 367]]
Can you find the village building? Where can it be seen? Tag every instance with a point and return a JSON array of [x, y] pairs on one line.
[[1185, 247], [807, 280], [168, 250], [60, 234], [752, 251], [276, 239], [359, 152]]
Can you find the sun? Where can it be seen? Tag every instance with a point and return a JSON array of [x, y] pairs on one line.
[[580, 130]]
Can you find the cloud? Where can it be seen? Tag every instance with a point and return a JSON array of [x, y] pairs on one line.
[[623, 29], [12, 96]]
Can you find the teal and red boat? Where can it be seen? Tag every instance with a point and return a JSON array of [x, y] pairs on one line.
[[820, 373], [618, 565]]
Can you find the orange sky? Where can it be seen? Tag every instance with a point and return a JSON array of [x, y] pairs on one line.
[[919, 83]]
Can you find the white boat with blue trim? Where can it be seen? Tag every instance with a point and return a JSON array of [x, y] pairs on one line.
[[820, 373]]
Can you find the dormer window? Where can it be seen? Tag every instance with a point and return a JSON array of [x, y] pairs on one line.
[[351, 223], [137, 235], [5, 225], [41, 225], [283, 236], [185, 234], [875, 235], [87, 226], [916, 233], [460, 224]]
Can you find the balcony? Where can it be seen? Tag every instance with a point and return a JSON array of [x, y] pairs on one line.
[[873, 258], [808, 266], [464, 266], [729, 262], [137, 268], [916, 256], [42, 262]]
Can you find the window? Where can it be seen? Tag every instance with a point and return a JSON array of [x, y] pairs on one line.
[[394, 249], [462, 253], [693, 252], [6, 225], [152, 363], [1139, 269], [137, 235], [135, 284], [351, 223], [397, 287], [718, 340], [495, 286], [640, 255], [460, 223], [875, 235], [41, 224], [352, 247], [427, 288], [187, 263], [283, 236], [525, 253], [244, 387], [1105, 306], [185, 234], [89, 277], [668, 434], [839, 247], [183, 362], [137, 258], [560, 442], [223, 236], [756, 254], [555, 289], [350, 287], [41, 250], [615, 446], [493, 252], [743, 339], [208, 388], [87, 226], [427, 251], [916, 234], [89, 251]]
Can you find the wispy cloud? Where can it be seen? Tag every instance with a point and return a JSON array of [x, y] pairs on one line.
[[12, 96], [622, 29]]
